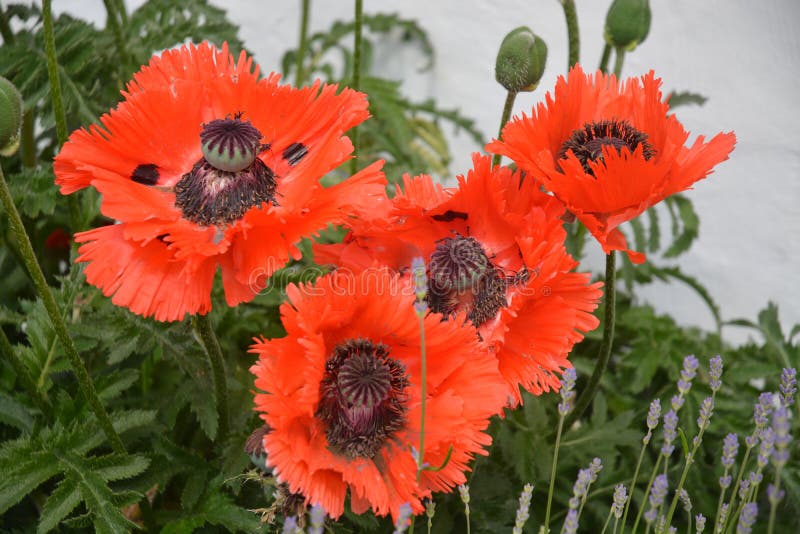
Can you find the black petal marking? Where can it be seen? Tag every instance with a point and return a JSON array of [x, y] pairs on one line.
[[145, 174]]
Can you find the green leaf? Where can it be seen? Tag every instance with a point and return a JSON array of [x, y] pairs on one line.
[[111, 386], [685, 98], [15, 414], [34, 191], [689, 223], [22, 475], [119, 466], [64, 499]]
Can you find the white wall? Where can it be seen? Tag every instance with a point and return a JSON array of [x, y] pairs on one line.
[[743, 55]]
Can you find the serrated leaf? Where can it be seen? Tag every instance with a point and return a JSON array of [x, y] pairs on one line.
[[117, 467], [34, 191], [193, 489], [15, 414], [111, 386], [689, 223], [129, 420], [64, 499], [22, 475]]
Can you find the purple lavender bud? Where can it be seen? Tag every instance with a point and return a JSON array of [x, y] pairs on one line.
[[463, 492], [568, 378], [571, 522], [688, 373], [723, 513], [762, 409], [756, 477], [747, 518], [686, 502], [751, 441], [706, 410], [672, 530], [650, 515], [774, 496], [670, 424], [420, 278], [766, 448], [780, 424], [594, 468], [730, 447], [403, 518], [523, 512], [653, 414], [620, 498], [317, 519], [676, 402], [658, 491], [715, 373], [788, 386], [744, 487], [585, 478], [699, 523], [725, 482], [290, 525]]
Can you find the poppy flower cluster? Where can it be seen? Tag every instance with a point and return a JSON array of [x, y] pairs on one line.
[[206, 166]]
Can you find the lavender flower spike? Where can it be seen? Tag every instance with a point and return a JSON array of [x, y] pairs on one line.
[[788, 386], [690, 365], [715, 373], [780, 424], [670, 424], [571, 522], [402, 519], [706, 411], [730, 447], [699, 523], [747, 518], [686, 502], [567, 392], [653, 415], [317, 519], [420, 285], [523, 512], [620, 498], [657, 494]]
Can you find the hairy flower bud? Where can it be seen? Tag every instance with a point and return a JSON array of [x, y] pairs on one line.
[[10, 117], [627, 23], [520, 60]]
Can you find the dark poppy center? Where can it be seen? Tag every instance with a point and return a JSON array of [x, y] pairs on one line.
[[463, 279], [229, 179], [362, 398], [588, 141]]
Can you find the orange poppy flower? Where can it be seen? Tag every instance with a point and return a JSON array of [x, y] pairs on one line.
[[204, 166], [609, 150], [342, 395], [494, 251]]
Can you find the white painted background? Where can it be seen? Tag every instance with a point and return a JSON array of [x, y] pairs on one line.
[[743, 55]]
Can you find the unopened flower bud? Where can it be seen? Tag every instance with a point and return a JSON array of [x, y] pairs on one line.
[[521, 60], [10, 117], [627, 23]]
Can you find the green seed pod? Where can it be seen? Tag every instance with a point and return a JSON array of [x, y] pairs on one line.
[[627, 23], [520, 60], [10, 117]]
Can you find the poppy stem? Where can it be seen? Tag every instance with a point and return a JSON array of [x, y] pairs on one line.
[[618, 60], [23, 373], [509, 105], [605, 57], [202, 325], [55, 96], [356, 76], [300, 75], [60, 327], [113, 22], [604, 355], [573, 32]]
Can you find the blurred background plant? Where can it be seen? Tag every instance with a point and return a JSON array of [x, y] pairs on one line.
[[61, 473]]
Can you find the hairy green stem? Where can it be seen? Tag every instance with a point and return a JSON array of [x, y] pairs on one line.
[[56, 98], [300, 75], [202, 325], [507, 108], [619, 59], [122, 12], [28, 140], [605, 57], [23, 374], [573, 32], [553, 474], [60, 327], [5, 27], [119, 39], [356, 77], [605, 347]]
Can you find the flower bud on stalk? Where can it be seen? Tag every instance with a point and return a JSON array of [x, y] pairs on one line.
[[627, 23], [520, 60], [10, 117]]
